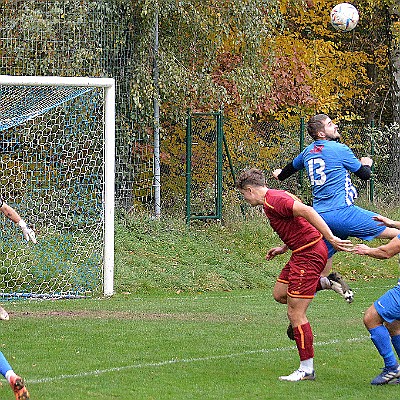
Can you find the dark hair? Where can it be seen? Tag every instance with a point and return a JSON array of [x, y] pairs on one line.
[[252, 176], [315, 125]]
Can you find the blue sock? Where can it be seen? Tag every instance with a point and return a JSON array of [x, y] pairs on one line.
[[381, 339], [396, 344], [4, 365]]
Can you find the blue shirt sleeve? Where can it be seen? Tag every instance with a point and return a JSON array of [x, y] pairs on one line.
[[350, 161]]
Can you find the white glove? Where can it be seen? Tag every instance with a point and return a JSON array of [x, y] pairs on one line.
[[28, 233]]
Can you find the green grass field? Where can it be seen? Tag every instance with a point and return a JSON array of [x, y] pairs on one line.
[[193, 318], [218, 345]]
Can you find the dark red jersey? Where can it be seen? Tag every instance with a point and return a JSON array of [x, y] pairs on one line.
[[295, 232]]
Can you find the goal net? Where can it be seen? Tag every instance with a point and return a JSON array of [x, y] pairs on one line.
[[57, 170]]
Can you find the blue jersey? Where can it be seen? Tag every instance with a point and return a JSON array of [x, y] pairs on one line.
[[328, 165]]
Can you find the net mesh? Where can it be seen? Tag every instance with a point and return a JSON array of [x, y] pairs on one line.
[[52, 173], [93, 39], [204, 162]]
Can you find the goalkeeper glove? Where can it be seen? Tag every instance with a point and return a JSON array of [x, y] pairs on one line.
[[28, 233]]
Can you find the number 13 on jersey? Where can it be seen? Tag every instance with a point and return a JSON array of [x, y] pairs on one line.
[[316, 167]]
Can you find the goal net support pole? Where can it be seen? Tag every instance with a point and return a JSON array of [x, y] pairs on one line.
[[108, 84]]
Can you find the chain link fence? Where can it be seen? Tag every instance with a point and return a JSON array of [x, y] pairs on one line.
[[85, 38]]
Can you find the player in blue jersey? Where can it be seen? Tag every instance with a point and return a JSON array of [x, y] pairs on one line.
[[328, 164], [382, 319]]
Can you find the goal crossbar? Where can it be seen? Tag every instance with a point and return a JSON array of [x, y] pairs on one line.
[[56, 81]]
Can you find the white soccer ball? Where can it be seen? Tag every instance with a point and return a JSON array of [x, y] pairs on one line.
[[344, 17]]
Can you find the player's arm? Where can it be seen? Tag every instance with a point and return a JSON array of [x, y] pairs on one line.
[[276, 251], [302, 210], [386, 221], [12, 215], [364, 172], [360, 167], [282, 174], [9, 212], [385, 251]]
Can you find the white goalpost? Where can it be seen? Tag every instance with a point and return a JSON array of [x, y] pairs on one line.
[[57, 169]]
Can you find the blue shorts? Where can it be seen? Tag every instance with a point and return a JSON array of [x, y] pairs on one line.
[[352, 221], [388, 305]]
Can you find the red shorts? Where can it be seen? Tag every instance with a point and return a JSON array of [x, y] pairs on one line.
[[303, 270]]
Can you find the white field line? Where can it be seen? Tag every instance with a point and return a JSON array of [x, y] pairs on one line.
[[186, 361]]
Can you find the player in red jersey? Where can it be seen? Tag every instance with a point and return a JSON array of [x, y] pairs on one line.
[[301, 229]]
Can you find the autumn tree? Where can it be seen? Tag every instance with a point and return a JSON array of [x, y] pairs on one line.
[[210, 52], [319, 69]]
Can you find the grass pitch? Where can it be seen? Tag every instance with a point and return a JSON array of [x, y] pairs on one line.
[[219, 345]]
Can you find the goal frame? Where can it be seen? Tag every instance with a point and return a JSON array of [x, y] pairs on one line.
[[109, 154]]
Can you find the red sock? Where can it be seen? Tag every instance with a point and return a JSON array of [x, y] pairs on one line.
[[304, 340]]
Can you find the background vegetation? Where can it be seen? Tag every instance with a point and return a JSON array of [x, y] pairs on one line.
[[264, 62], [167, 255]]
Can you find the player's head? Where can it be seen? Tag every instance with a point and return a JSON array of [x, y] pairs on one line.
[[251, 183], [250, 177], [321, 127]]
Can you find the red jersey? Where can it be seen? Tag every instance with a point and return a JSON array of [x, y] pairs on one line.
[[295, 232]]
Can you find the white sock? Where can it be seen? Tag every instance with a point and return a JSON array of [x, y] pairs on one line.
[[9, 374], [307, 365], [325, 282]]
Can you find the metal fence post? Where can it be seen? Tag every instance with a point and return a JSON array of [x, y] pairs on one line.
[[371, 181], [219, 165], [301, 172], [188, 163]]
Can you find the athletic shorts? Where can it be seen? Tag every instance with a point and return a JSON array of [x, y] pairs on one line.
[[388, 305], [303, 270], [351, 221]]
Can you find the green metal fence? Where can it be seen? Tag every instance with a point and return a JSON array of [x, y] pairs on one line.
[[271, 145], [204, 146], [86, 38]]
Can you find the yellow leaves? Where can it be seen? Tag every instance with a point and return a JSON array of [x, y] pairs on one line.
[[338, 70], [396, 31]]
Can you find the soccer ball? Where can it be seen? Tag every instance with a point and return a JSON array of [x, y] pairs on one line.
[[344, 17]]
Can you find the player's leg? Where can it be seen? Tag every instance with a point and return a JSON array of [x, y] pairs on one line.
[[297, 308], [15, 381], [388, 233], [329, 263], [394, 331], [4, 314], [281, 285], [333, 280], [330, 279], [305, 270], [384, 309], [352, 221], [280, 292], [280, 295]]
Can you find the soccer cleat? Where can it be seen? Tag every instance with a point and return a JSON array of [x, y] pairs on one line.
[[298, 375], [340, 286], [387, 376], [4, 314], [289, 332], [18, 386]]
